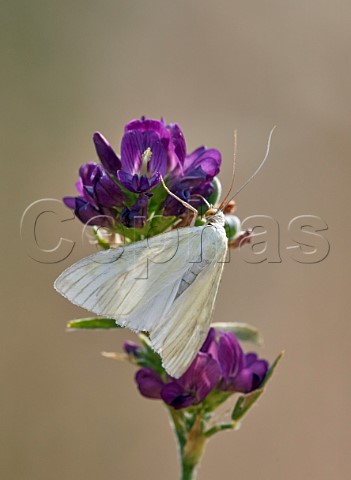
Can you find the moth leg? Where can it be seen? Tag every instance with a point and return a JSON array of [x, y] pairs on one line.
[[185, 204]]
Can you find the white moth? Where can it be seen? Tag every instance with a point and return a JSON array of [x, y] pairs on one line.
[[165, 285]]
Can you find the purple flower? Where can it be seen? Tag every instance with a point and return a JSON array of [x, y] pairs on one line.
[[251, 375], [106, 154], [240, 372], [132, 349], [136, 216], [194, 385], [98, 195], [149, 383], [157, 149], [149, 148], [221, 364], [194, 178]]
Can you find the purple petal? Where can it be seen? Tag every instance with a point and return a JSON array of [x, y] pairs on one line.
[[144, 184], [131, 348], [108, 193], [147, 124], [178, 144], [106, 154], [230, 355], [259, 370], [243, 381], [174, 395], [154, 180], [132, 148], [136, 216], [250, 377], [208, 160], [70, 202], [250, 359], [88, 214], [134, 144], [201, 377], [173, 206], [210, 345], [149, 383], [211, 337], [194, 177], [88, 172], [158, 161], [80, 187], [205, 189], [128, 180]]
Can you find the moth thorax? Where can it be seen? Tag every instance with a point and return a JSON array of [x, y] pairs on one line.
[[215, 217]]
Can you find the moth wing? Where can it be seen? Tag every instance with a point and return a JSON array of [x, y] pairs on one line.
[[184, 330], [135, 284]]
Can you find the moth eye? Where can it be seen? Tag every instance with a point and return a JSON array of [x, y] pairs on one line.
[[209, 212]]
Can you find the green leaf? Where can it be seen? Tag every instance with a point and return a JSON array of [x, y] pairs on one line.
[[244, 403], [243, 331], [92, 323]]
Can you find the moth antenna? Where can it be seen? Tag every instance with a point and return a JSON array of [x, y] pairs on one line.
[[203, 199], [233, 171], [259, 167], [185, 204]]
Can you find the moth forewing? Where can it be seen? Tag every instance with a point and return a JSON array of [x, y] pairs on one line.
[[183, 330], [122, 282], [165, 285]]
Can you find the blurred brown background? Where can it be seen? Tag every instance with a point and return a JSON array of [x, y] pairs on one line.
[[69, 68]]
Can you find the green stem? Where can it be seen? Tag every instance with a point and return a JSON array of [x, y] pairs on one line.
[[191, 442], [219, 428], [188, 471]]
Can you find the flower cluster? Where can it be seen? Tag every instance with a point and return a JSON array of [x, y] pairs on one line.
[[221, 366], [126, 189], [124, 195]]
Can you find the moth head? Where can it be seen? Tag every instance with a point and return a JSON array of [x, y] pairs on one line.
[[211, 211], [215, 216]]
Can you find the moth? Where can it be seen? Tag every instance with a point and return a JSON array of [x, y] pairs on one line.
[[165, 285]]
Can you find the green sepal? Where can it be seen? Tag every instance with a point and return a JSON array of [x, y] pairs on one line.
[[93, 323], [132, 234], [243, 331], [232, 226], [130, 197], [100, 241], [149, 358], [199, 222], [157, 200], [152, 227], [214, 399], [272, 369], [244, 403], [159, 224], [215, 196]]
